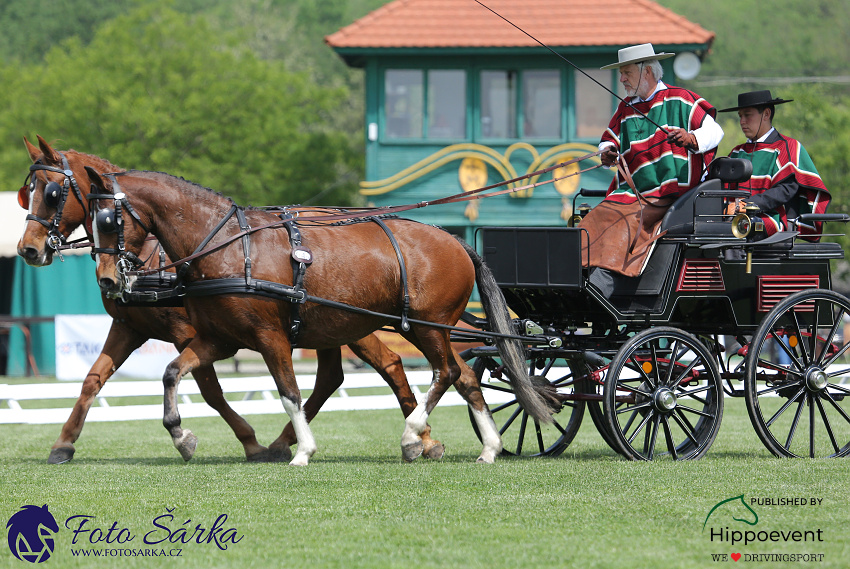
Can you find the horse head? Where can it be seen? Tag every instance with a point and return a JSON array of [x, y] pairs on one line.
[[54, 195], [119, 234]]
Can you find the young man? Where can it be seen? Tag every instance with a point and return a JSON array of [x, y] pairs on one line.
[[785, 182], [666, 137]]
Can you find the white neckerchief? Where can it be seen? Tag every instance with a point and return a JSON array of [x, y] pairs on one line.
[[763, 137]]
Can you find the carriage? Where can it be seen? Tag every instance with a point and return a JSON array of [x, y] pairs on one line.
[[718, 311]]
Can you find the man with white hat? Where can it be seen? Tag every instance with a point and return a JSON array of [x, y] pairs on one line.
[[785, 182], [663, 138]]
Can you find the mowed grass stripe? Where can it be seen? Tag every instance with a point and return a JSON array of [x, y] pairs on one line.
[[358, 505]]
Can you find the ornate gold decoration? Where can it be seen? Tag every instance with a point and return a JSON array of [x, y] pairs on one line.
[[486, 156], [472, 175]]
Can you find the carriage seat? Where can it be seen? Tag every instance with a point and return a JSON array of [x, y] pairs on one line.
[[698, 210]]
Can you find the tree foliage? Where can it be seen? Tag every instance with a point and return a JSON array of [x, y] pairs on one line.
[[156, 89]]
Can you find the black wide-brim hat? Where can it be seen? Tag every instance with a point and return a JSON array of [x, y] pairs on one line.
[[755, 99]]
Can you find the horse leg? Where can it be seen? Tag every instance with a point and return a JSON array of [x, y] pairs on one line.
[[469, 388], [436, 347], [120, 343], [277, 353], [210, 390], [196, 354], [389, 366], [329, 377]]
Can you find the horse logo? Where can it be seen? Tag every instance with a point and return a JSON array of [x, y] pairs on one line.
[[734, 510], [31, 532]]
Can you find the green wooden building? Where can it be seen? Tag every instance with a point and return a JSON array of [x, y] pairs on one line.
[[458, 98]]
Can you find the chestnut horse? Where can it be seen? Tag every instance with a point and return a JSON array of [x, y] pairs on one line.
[[387, 270], [132, 326]]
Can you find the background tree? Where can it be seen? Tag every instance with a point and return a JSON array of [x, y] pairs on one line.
[[156, 89]]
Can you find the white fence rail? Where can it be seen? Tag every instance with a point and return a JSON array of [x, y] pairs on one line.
[[259, 396]]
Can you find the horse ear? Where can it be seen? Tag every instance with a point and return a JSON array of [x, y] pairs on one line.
[[50, 155], [35, 154], [95, 178]]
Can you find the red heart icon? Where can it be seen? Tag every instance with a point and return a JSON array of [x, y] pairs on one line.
[[736, 556]]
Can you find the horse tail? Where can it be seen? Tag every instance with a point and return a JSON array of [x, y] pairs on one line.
[[511, 351]]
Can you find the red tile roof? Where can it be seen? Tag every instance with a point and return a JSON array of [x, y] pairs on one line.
[[465, 23]]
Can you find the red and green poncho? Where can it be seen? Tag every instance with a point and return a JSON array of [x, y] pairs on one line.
[[785, 183], [658, 168]]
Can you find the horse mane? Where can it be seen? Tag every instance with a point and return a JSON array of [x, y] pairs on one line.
[[104, 165], [182, 183]]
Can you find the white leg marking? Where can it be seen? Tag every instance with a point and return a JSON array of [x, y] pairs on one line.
[[414, 425], [490, 437], [306, 442]]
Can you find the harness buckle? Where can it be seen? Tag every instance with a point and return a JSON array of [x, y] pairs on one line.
[[54, 242]]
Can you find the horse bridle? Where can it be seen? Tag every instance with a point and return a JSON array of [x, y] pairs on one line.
[[55, 195], [111, 220]]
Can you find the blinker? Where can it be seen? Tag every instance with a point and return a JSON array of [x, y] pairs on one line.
[[52, 194], [105, 220]]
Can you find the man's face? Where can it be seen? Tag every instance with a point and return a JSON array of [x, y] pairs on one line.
[[753, 123], [634, 78]]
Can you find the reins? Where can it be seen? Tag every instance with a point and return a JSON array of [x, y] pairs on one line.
[[366, 213]]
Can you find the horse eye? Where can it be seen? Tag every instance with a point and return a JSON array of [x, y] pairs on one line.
[[52, 191]]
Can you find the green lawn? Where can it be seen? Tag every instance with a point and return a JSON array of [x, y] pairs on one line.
[[358, 505]]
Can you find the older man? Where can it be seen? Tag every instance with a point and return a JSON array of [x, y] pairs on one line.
[[662, 138], [785, 182]]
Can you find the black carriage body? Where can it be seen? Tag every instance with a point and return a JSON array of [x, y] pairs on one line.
[[696, 278]]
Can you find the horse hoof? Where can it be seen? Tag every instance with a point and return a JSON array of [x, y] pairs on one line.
[[412, 451], [279, 453], [187, 445], [436, 452], [299, 460], [271, 455], [60, 455], [484, 460]]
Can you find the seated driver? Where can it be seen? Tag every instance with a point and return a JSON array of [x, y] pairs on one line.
[[785, 182]]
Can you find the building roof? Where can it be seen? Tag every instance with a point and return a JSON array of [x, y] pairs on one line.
[[467, 24]]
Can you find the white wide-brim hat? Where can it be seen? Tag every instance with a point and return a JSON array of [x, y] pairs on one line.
[[636, 54]]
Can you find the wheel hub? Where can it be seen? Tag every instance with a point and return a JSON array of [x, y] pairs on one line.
[[665, 400], [816, 379]]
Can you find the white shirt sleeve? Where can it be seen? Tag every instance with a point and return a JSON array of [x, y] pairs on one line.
[[708, 135]]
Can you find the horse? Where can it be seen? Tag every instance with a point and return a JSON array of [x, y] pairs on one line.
[[132, 326], [362, 277]]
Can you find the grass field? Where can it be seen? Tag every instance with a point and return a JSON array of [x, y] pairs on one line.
[[358, 505]]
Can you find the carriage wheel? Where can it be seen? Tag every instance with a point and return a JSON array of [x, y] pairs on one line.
[[663, 397], [597, 413], [797, 382], [522, 435]]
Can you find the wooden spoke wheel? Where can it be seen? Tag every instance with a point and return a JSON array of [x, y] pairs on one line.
[[797, 379], [663, 396]]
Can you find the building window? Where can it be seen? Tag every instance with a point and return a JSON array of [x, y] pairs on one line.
[[592, 106], [403, 103], [541, 104], [446, 103], [498, 104]]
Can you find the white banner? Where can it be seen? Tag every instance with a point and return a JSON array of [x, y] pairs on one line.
[[80, 339]]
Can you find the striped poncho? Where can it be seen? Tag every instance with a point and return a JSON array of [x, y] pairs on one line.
[[658, 168], [782, 162]]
